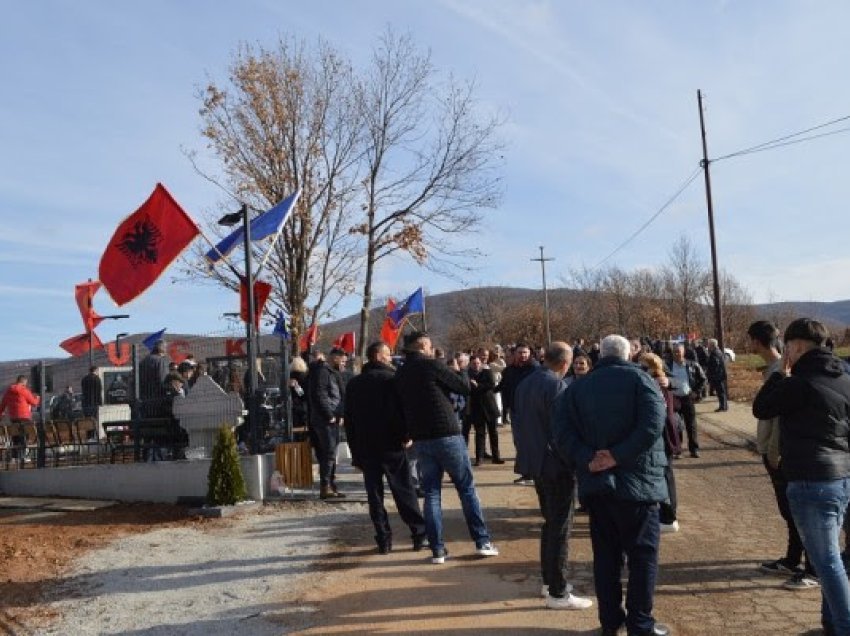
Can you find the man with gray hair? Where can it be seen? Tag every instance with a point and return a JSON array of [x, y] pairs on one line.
[[554, 479], [610, 425]]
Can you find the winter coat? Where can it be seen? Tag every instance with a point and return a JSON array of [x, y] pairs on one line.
[[532, 424], [18, 401], [327, 394], [618, 408], [93, 390], [813, 406], [482, 400], [715, 366], [373, 420], [423, 385], [511, 377]]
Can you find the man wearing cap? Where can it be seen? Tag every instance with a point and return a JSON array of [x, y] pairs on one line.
[[327, 406]]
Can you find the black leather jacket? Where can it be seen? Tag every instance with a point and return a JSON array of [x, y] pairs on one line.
[[813, 406]]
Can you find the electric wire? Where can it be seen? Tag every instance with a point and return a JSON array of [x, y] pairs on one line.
[[778, 142], [658, 213]]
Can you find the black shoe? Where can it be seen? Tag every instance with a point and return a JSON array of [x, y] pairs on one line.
[[498, 460], [695, 454], [659, 629], [385, 548], [476, 462], [487, 456], [609, 632], [419, 542]]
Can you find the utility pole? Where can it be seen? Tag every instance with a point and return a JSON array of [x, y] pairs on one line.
[[718, 309], [250, 332], [542, 262]]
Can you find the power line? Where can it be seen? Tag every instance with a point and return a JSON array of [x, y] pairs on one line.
[[778, 142], [658, 213]]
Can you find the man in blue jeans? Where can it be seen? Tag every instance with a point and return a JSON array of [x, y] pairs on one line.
[[609, 425], [813, 407], [423, 385]]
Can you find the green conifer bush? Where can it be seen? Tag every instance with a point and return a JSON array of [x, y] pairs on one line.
[[225, 483]]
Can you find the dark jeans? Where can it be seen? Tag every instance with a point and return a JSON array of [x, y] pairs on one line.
[[667, 510], [325, 438], [395, 467], [689, 416], [794, 552], [555, 494], [719, 387], [629, 528], [488, 428]]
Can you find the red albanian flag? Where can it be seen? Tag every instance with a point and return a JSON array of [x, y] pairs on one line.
[[78, 345], [262, 290], [389, 331], [144, 245], [345, 342], [310, 337], [84, 293]]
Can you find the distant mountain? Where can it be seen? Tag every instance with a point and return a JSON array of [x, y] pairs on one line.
[[439, 316]]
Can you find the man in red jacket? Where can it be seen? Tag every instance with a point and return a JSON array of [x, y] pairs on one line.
[[18, 401]]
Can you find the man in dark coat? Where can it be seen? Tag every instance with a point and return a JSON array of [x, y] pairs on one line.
[[610, 426], [153, 370], [377, 438], [92, 388], [522, 364], [554, 479], [483, 410], [327, 405], [424, 384], [813, 407], [715, 370]]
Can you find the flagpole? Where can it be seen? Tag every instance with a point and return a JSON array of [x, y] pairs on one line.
[[277, 234], [223, 256]]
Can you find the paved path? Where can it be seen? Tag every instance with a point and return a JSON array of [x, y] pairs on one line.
[[708, 579]]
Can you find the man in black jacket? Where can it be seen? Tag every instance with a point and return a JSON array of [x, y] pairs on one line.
[[813, 406], [327, 404], [92, 392], [715, 369], [376, 435], [483, 410], [687, 380], [423, 385], [522, 365]]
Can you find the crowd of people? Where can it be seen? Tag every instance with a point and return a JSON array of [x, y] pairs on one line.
[[598, 429]]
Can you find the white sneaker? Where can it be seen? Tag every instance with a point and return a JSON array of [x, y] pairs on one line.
[[669, 527], [487, 550], [568, 602]]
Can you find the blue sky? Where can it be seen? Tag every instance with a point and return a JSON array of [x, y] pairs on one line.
[[98, 103]]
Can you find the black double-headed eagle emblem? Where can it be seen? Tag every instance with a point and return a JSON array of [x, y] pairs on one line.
[[141, 244]]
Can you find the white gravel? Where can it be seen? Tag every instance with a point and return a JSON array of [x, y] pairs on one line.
[[229, 578]]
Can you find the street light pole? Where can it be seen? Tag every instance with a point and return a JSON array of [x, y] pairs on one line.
[[542, 261], [250, 332]]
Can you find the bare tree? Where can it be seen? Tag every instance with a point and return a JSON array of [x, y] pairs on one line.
[[430, 161], [687, 283], [287, 119]]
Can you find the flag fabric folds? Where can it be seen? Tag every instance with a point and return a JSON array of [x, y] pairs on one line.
[[84, 293], [415, 304], [389, 330], [152, 339], [144, 245], [262, 290], [78, 345], [310, 337], [345, 342], [263, 226], [280, 329]]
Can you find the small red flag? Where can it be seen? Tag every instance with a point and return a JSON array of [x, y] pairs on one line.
[[310, 337], [144, 245], [262, 290], [345, 342], [84, 293], [78, 345], [389, 331]]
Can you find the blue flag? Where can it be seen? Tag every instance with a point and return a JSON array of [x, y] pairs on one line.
[[415, 304], [152, 339], [280, 329], [263, 226]]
